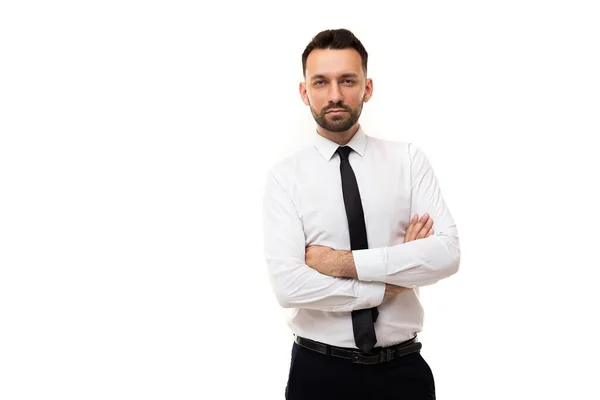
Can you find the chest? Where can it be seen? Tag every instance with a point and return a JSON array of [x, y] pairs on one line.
[[385, 196]]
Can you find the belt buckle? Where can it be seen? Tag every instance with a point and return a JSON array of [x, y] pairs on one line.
[[385, 355]]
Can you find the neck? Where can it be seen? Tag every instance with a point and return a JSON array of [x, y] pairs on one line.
[[340, 138]]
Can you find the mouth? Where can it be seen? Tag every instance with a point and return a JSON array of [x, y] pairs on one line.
[[336, 111]]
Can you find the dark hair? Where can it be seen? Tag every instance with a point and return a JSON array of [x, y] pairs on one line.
[[335, 39]]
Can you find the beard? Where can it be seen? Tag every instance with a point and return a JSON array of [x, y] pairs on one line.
[[337, 123]]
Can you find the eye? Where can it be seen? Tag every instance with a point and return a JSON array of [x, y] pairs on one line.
[[318, 83], [348, 82]]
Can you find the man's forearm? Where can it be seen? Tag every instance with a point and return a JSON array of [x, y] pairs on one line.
[[409, 264], [343, 262], [417, 263], [341, 265]]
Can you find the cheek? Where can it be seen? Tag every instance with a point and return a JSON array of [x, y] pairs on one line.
[[354, 98], [315, 100], [361, 96]]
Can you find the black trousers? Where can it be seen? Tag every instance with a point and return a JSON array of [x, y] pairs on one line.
[[315, 376]]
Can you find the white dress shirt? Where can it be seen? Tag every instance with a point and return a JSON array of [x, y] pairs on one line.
[[303, 206]]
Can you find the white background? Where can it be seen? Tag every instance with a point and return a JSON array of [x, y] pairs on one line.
[[135, 139]]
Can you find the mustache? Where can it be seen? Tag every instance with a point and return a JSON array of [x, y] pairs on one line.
[[337, 105]]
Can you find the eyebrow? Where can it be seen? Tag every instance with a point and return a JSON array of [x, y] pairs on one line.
[[346, 75]]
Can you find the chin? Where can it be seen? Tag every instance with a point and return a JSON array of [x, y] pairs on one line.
[[339, 119], [340, 129]]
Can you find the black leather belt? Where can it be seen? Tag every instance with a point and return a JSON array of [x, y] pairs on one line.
[[378, 355]]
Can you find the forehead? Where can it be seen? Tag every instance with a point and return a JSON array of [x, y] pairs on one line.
[[330, 62]]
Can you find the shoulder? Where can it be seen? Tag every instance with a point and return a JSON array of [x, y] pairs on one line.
[[409, 151], [289, 165]]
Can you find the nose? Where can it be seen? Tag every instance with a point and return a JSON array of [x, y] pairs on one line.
[[335, 94]]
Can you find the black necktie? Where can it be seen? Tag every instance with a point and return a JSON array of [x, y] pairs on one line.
[[362, 320]]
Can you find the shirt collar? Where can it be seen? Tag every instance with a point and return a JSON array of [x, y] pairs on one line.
[[327, 148]]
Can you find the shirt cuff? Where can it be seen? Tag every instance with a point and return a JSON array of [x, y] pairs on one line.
[[370, 264], [370, 294]]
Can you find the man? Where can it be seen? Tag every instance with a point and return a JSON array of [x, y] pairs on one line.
[[353, 226]]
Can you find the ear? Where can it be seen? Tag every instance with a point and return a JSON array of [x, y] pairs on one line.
[[368, 90], [303, 93]]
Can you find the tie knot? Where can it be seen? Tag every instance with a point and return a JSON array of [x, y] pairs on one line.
[[344, 152]]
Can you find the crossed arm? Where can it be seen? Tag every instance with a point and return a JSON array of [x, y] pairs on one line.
[[335, 280], [340, 263]]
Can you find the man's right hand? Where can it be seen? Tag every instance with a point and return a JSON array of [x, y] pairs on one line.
[[393, 290], [417, 229]]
